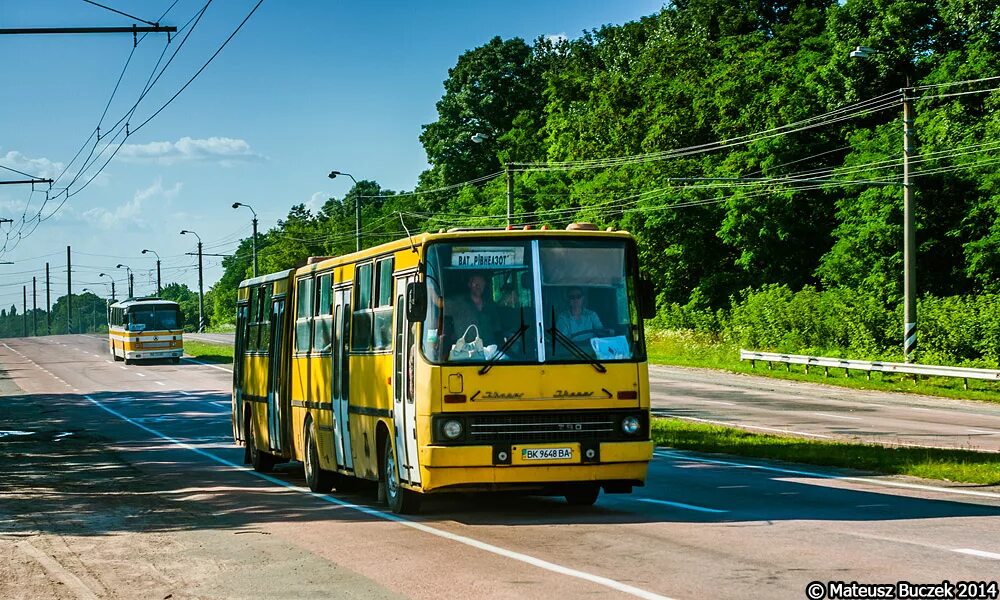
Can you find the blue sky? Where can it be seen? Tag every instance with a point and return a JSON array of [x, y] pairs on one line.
[[303, 88]]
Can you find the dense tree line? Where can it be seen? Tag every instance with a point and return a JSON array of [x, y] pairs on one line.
[[762, 154]]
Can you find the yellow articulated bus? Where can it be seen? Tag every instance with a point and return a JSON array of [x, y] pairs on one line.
[[467, 360], [145, 329]]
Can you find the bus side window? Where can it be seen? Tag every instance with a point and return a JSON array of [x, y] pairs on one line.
[[264, 318], [303, 315], [323, 318], [361, 321], [383, 305]]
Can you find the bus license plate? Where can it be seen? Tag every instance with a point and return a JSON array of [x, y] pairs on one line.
[[546, 454]]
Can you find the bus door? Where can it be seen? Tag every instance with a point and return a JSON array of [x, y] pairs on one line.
[[274, 409], [340, 377], [242, 321], [403, 408]]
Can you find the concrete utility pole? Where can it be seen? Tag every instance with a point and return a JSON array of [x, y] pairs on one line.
[[69, 291], [159, 287], [909, 222], [34, 306], [48, 302], [201, 284], [24, 312], [510, 195]]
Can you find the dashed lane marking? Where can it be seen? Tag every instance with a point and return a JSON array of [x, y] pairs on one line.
[[979, 553], [681, 505], [468, 541]]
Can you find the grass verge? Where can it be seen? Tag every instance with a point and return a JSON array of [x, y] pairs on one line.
[[208, 352], [690, 349], [965, 466]]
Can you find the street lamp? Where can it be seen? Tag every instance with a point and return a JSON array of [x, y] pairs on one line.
[[131, 280], [237, 205], [159, 289], [357, 209], [112, 284], [94, 312], [201, 287], [479, 138], [909, 225]]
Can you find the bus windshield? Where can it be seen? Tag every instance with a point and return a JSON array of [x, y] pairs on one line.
[[490, 300], [154, 317]]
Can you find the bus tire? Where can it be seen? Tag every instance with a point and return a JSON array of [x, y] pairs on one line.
[[583, 494], [319, 480], [127, 361], [114, 352], [263, 462], [176, 360], [400, 500]]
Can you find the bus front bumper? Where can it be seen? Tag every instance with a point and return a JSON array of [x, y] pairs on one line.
[[154, 354], [475, 467]]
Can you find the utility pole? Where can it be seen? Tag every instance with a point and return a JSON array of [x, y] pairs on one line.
[[357, 208], [69, 292], [131, 285], [201, 283], [34, 306], [254, 244], [510, 195], [48, 302], [24, 313], [159, 286], [909, 233]]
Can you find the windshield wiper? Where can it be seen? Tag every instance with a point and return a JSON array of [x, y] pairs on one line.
[[510, 342], [569, 343]]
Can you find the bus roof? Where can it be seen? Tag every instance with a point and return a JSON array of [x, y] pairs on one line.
[[130, 302]]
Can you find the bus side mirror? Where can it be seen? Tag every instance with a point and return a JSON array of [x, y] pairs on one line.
[[647, 299], [416, 301]]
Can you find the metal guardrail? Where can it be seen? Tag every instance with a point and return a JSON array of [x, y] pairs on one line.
[[966, 373]]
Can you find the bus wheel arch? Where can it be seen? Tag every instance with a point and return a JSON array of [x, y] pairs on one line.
[[263, 462]]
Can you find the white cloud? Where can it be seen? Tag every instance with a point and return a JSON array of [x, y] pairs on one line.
[[135, 212], [316, 202], [555, 38], [221, 150], [36, 167]]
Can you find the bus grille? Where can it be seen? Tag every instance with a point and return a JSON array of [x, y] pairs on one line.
[[544, 427]]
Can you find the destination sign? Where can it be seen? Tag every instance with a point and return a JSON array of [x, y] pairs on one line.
[[487, 257]]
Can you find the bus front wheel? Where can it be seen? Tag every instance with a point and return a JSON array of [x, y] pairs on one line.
[[400, 500]]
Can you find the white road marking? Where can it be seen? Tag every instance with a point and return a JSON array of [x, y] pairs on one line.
[[871, 481], [123, 368], [986, 431], [680, 505], [140, 374], [110, 362], [980, 553], [57, 571], [222, 403], [731, 424], [183, 393], [917, 408], [839, 416], [205, 364], [468, 541], [159, 383], [716, 402]]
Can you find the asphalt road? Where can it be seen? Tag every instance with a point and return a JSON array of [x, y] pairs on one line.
[[122, 482], [824, 411], [812, 410]]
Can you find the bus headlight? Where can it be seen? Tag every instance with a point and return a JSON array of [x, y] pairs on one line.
[[452, 429], [630, 425]]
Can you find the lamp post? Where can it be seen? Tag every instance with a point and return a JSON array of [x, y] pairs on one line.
[[159, 288], [94, 312], [201, 288], [131, 280], [357, 208], [112, 284], [909, 224], [479, 138], [237, 205]]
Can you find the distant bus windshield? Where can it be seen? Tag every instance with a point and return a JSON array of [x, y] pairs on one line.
[[154, 318]]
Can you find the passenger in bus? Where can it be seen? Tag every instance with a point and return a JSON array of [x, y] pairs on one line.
[[473, 308], [578, 322]]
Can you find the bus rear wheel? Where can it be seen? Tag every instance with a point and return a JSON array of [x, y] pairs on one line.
[[319, 480], [400, 500], [583, 494]]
